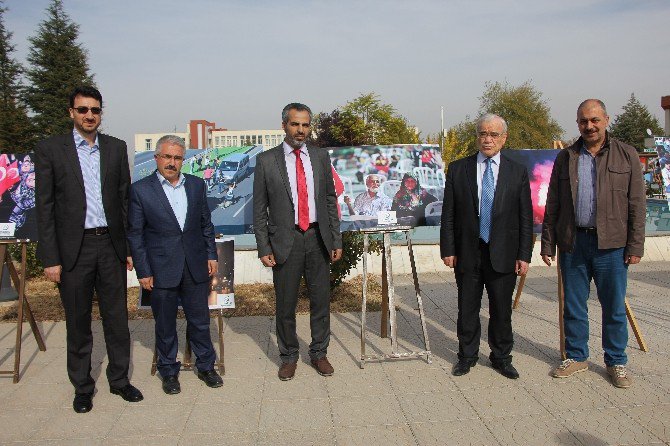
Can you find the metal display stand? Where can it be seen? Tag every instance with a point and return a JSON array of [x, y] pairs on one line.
[[388, 295], [187, 363], [19, 281]]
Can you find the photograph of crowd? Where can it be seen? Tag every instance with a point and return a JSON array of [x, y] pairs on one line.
[[17, 194]]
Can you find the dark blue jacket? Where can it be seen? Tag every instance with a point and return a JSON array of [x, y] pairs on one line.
[[158, 245]]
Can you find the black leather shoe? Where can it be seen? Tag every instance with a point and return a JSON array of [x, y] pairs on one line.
[[83, 402], [463, 367], [507, 370], [171, 385], [211, 378], [128, 392]]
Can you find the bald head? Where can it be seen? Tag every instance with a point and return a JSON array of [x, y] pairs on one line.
[[593, 103]]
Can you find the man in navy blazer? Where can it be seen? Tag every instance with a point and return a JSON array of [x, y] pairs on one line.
[[171, 240]]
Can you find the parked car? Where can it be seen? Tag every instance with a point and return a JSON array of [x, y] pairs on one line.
[[233, 168]]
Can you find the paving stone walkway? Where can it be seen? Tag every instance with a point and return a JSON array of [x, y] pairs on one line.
[[405, 402]]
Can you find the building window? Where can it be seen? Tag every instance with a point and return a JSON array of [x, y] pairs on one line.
[[218, 141], [234, 140], [147, 144]]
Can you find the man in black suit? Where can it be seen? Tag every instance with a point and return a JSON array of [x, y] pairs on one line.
[[298, 233], [82, 202], [486, 235], [171, 238]]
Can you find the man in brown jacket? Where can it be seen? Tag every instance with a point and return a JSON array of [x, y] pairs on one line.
[[595, 213]]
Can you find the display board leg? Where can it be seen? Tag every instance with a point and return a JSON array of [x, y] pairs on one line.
[[522, 283], [364, 305], [220, 364], [383, 329], [419, 300], [391, 291], [635, 327], [561, 303]]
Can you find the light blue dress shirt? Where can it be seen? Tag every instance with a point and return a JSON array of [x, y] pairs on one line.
[[89, 161], [481, 168], [176, 195], [585, 211]]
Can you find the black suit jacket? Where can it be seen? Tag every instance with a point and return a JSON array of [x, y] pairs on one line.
[[159, 247], [274, 214], [61, 200], [512, 219]]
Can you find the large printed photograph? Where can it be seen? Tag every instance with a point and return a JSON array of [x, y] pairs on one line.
[[406, 179], [17, 196]]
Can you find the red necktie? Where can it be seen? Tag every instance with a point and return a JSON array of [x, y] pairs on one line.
[[303, 202]]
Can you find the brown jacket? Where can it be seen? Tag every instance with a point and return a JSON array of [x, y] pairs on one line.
[[620, 200]]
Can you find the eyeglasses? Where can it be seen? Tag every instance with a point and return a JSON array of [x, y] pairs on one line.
[[494, 135], [176, 158], [84, 110]]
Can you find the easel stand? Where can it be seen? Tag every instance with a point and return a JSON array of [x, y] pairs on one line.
[[388, 296], [23, 305], [561, 303], [187, 363]]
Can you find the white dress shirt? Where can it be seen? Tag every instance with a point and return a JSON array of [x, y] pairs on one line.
[[176, 195], [289, 156]]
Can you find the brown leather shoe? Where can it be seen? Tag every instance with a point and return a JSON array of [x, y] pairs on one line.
[[323, 367], [287, 371]]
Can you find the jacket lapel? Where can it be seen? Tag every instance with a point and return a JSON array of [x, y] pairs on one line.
[[316, 170], [72, 159], [162, 198], [105, 152], [281, 166], [471, 175], [191, 199], [501, 188]]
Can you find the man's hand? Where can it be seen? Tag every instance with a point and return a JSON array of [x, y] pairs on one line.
[[53, 273], [335, 255], [147, 283], [129, 263], [450, 261], [521, 267], [268, 260], [548, 259], [633, 260], [212, 267], [347, 199]]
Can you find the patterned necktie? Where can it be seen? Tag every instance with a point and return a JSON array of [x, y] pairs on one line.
[[303, 202], [486, 202]]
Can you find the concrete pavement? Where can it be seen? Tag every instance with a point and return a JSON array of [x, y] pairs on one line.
[[407, 402]]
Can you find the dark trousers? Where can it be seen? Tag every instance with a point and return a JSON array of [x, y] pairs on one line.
[[310, 258], [98, 268], [192, 296], [499, 287]]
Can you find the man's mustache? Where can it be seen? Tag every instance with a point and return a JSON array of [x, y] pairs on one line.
[[170, 168]]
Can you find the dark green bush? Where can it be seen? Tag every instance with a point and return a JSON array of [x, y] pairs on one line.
[[352, 252]]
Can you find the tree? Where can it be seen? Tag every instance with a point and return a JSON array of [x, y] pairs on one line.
[[16, 132], [57, 64], [631, 125], [529, 121], [362, 121]]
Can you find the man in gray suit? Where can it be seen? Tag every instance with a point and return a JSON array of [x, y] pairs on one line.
[[298, 234]]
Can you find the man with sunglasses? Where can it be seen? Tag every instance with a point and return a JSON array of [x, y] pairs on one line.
[[171, 238], [82, 201]]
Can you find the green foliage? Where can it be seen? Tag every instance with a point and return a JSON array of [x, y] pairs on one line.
[[57, 64], [33, 265], [362, 121], [631, 125], [352, 252], [529, 121], [16, 132]]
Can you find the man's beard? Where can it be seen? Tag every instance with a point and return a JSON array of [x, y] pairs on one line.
[[373, 190], [293, 142]]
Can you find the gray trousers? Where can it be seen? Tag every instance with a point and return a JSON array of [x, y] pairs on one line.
[[310, 258]]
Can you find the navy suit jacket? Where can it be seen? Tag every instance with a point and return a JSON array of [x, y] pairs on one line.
[[158, 245]]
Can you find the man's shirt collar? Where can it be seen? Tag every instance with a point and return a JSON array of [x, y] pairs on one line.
[[80, 141], [481, 158], [164, 181], [288, 149]]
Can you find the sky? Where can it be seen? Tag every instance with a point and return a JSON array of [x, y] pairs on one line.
[[161, 63]]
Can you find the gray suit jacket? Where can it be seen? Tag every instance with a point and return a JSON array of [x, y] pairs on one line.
[[274, 214]]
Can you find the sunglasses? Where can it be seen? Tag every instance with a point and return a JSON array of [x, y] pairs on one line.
[[84, 110]]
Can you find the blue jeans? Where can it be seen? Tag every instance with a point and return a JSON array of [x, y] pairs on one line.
[[607, 269]]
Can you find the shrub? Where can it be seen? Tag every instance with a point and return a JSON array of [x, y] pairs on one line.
[[352, 252]]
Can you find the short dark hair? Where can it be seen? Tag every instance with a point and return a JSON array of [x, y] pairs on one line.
[[295, 106], [87, 91]]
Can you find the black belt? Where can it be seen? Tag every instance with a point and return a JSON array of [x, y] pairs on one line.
[[96, 231], [590, 230], [312, 225]]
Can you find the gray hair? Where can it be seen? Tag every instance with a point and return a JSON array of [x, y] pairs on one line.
[[597, 101], [295, 106], [170, 139], [488, 117]]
